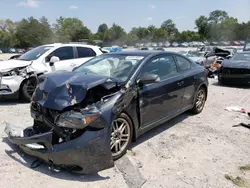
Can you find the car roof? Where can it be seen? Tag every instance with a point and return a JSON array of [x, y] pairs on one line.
[[143, 53], [71, 44]]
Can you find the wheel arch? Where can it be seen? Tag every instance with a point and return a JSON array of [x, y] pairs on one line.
[[205, 87], [133, 124], [21, 85]]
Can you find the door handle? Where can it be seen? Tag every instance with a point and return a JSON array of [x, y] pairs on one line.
[[180, 83]]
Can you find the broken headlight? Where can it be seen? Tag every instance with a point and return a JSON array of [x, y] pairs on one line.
[[15, 72], [75, 120]]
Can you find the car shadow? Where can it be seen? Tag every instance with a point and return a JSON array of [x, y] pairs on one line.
[[161, 128], [27, 160], [7, 102], [238, 86]]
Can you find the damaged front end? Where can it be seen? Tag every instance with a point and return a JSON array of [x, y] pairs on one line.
[[11, 79], [72, 117]]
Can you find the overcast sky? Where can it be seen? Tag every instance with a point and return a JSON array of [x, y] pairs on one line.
[[127, 13]]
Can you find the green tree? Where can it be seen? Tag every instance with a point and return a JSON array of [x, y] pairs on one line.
[[160, 34], [189, 36], [217, 16], [202, 26], [101, 30], [169, 26], [115, 35], [71, 30]]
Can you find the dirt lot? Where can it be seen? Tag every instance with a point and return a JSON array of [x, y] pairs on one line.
[[189, 151]]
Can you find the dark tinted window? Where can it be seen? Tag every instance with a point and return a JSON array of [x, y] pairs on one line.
[[162, 66], [64, 53], [183, 63], [85, 52]]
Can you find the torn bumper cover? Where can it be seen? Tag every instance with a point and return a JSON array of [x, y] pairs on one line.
[[86, 154]]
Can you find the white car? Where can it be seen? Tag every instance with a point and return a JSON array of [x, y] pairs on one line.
[[18, 76]]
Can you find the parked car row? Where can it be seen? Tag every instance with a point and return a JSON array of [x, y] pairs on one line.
[[231, 65], [12, 50], [188, 44]]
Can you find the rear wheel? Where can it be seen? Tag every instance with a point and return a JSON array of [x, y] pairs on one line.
[[121, 136], [199, 101], [28, 88]]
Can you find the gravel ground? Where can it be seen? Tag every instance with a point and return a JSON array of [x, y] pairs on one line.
[[189, 151]]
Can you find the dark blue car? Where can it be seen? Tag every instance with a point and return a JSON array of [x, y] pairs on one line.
[[86, 119]]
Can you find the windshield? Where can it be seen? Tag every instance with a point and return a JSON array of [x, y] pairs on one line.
[[118, 66], [241, 57], [34, 53]]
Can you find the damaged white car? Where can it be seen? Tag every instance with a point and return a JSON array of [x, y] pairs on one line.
[[18, 76]]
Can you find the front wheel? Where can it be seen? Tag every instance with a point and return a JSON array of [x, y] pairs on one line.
[[28, 88], [220, 80], [121, 136], [200, 100]]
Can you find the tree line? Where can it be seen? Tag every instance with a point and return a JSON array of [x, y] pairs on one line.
[[31, 32]]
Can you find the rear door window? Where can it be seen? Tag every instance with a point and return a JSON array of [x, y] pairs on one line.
[[85, 52], [183, 63]]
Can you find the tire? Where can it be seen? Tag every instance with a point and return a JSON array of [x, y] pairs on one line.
[[116, 136], [27, 89], [201, 96], [220, 80]]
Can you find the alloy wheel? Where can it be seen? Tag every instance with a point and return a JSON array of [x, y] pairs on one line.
[[200, 101], [120, 136], [29, 87]]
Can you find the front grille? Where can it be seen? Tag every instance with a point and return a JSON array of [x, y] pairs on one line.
[[235, 71]]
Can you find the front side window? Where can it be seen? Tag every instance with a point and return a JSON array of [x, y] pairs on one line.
[[85, 52], [183, 63], [163, 66], [64, 53]]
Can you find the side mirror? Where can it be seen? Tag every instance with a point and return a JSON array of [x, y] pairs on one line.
[[149, 79], [53, 60]]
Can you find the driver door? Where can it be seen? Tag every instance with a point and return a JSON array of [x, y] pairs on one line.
[[162, 99], [67, 57]]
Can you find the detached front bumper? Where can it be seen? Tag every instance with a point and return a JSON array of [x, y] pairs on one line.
[[10, 85], [86, 154]]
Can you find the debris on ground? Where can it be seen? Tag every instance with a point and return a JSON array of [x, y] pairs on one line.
[[243, 125], [245, 168], [130, 173], [236, 181], [131, 152], [236, 109]]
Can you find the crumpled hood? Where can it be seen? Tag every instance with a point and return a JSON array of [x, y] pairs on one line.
[[235, 64], [12, 63], [61, 90]]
